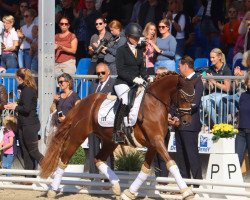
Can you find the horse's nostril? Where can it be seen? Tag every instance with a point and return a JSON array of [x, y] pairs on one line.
[[184, 122]]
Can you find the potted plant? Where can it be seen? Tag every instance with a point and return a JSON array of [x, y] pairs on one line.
[[223, 138], [76, 163]]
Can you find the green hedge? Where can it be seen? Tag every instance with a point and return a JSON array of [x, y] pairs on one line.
[[79, 157], [129, 162]]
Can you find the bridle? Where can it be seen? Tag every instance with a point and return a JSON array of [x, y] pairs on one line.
[[179, 111]]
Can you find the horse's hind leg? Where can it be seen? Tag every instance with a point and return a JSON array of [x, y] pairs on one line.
[[102, 156], [142, 176], [174, 170]]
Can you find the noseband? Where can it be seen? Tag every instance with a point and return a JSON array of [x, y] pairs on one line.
[[188, 98]]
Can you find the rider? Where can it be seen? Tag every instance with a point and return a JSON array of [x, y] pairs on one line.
[[131, 71]]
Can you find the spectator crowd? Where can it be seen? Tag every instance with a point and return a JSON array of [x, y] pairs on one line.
[[213, 29]]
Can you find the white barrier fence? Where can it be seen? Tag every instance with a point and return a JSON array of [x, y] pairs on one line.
[[91, 184]]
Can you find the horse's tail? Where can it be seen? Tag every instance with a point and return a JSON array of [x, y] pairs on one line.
[[56, 146]]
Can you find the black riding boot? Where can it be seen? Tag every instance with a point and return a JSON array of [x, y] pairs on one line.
[[118, 135]]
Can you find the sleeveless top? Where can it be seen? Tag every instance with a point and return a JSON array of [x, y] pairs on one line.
[[62, 56]]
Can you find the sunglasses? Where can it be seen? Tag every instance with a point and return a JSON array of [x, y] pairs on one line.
[[162, 27], [61, 82], [98, 24], [100, 73], [64, 24], [26, 16]]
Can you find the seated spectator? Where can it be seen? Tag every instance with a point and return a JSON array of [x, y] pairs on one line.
[[101, 38], [149, 33], [166, 46], [67, 98], [103, 84], [217, 88], [7, 145], [136, 10], [65, 49], [118, 39], [10, 44], [25, 39], [242, 141], [230, 102], [34, 50]]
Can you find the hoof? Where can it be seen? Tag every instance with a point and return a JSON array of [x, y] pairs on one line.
[[127, 195], [51, 194], [187, 194], [117, 191]]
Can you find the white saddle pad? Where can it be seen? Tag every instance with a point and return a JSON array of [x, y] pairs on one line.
[[106, 115]]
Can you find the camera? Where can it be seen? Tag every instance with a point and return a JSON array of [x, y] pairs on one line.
[[60, 114], [142, 43], [98, 50]]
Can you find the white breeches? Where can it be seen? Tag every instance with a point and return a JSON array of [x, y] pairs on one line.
[[122, 92]]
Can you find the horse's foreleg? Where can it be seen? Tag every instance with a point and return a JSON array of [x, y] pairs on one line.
[[106, 150], [57, 177], [174, 170], [141, 178]]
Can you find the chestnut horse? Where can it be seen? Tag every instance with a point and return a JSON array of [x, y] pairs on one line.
[[149, 131]]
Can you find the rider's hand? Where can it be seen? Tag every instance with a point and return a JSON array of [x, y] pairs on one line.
[[138, 80], [150, 79]]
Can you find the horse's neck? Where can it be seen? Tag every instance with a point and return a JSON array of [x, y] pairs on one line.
[[165, 89]]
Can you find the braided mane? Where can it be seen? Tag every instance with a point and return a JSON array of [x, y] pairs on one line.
[[160, 76]]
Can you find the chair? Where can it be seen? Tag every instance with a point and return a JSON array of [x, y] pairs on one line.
[[200, 63], [83, 66], [10, 84]]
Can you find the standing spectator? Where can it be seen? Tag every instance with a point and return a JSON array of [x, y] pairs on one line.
[[67, 10], [244, 30], [85, 28], [166, 46], [130, 70], [218, 89], [213, 13], [151, 11], [149, 33], [242, 141], [7, 145], [229, 34], [9, 7], [111, 10], [103, 84], [24, 5], [118, 39], [136, 11], [67, 98], [27, 119], [103, 36], [25, 36], [1, 38], [187, 156], [65, 49], [34, 50], [10, 44], [3, 98], [177, 27]]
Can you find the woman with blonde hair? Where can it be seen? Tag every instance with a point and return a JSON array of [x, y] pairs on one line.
[[150, 35], [27, 120], [218, 88], [10, 43]]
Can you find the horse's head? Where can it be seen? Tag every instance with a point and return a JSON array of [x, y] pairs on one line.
[[183, 100]]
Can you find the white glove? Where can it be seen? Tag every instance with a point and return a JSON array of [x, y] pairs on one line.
[[150, 79], [138, 81]]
